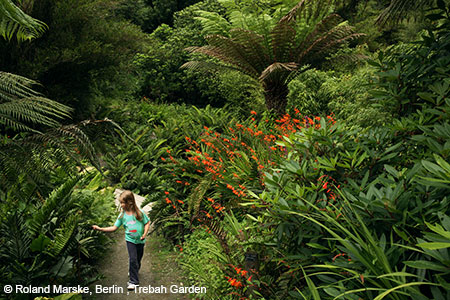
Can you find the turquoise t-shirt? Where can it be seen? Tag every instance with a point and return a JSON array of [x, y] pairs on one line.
[[134, 228]]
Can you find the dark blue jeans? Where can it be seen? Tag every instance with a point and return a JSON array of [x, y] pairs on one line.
[[135, 252]]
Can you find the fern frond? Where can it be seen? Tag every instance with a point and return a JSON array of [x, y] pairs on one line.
[[277, 68], [64, 236], [196, 196], [13, 21], [21, 106], [228, 51], [212, 23], [283, 39], [15, 242], [56, 199], [205, 66], [294, 12], [253, 47], [218, 231], [14, 86], [399, 9], [319, 30], [327, 42]]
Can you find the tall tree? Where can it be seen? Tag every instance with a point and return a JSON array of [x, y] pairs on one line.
[[301, 39]]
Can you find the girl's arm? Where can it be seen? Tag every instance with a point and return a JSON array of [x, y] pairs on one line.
[[146, 229], [105, 229]]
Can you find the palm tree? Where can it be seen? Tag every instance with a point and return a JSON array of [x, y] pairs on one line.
[[302, 39]]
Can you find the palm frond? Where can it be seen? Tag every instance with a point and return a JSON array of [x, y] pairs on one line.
[[13, 21]]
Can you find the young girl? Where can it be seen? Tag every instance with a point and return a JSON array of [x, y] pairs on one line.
[[136, 224]]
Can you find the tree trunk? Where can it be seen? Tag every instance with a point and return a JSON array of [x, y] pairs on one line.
[[276, 97]]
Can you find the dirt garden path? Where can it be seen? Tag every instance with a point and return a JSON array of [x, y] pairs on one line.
[[158, 269]]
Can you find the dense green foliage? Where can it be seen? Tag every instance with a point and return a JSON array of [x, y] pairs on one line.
[[343, 197]]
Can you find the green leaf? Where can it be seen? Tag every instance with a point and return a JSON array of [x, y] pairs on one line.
[[39, 243], [425, 265], [316, 246], [312, 287], [434, 245], [384, 294], [426, 96], [391, 170]]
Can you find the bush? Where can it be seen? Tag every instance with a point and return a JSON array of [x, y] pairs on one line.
[[350, 101], [50, 240], [203, 263], [306, 92]]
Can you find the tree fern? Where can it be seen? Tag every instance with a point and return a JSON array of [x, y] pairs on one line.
[[13, 21], [302, 38]]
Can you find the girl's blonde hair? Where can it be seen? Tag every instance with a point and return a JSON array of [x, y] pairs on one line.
[[127, 197]]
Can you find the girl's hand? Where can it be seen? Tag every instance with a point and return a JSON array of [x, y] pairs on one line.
[[95, 227], [142, 237]]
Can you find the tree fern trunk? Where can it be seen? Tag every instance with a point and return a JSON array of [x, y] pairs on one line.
[[276, 97]]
